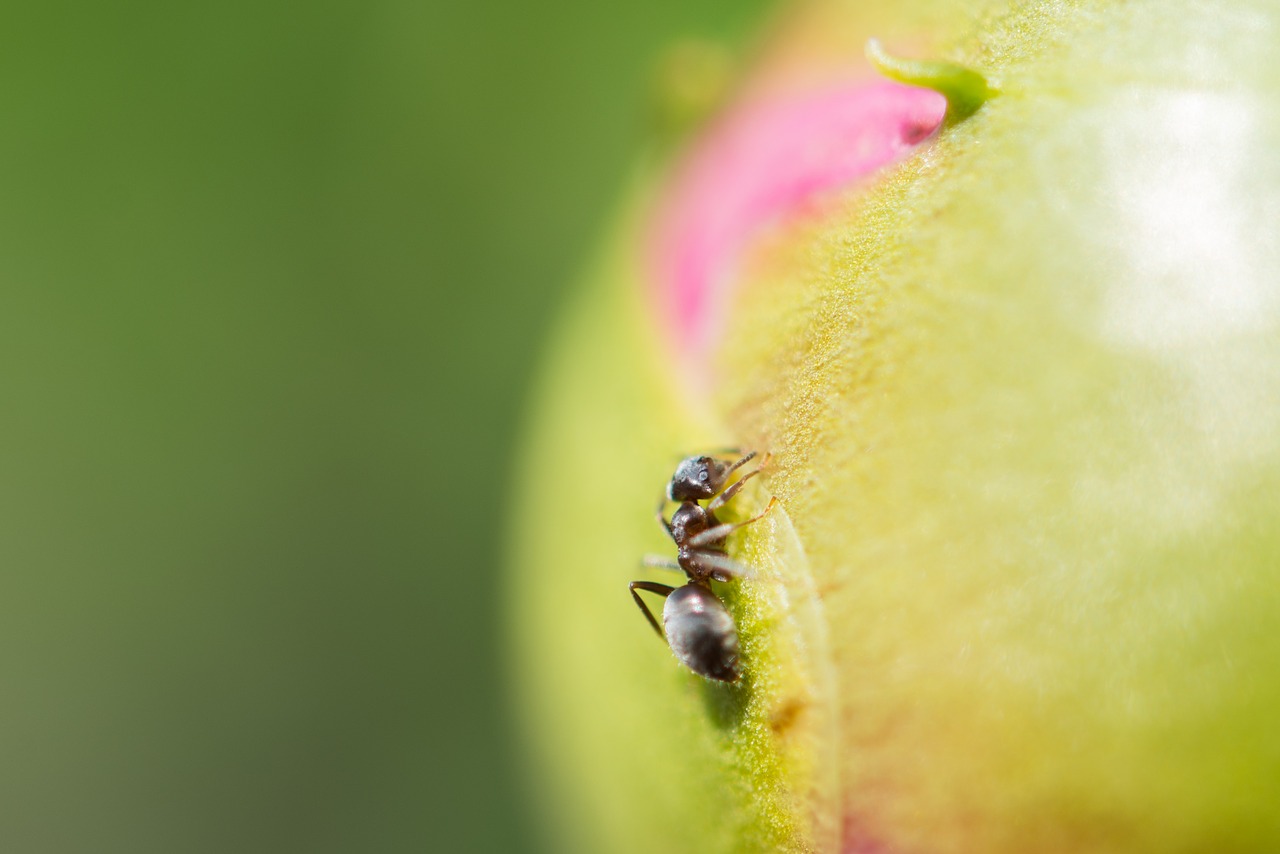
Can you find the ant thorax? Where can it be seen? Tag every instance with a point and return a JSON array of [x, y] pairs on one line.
[[689, 520]]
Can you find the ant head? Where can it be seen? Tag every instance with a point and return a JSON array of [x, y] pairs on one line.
[[697, 478]]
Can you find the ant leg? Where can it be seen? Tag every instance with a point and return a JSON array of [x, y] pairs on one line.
[[661, 563], [719, 566], [719, 532], [661, 589], [725, 497], [740, 463], [662, 519]]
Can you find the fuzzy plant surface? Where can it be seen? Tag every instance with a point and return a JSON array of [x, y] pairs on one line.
[[1011, 337]]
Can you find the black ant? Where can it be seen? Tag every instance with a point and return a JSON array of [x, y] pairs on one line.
[[698, 626]]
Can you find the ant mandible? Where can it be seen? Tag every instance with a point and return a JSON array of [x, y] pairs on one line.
[[698, 626]]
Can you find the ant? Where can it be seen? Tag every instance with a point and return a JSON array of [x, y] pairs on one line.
[[698, 626]]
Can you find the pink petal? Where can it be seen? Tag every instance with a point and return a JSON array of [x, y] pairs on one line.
[[762, 162]]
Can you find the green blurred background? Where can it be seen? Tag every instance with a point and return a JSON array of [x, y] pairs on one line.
[[274, 280]]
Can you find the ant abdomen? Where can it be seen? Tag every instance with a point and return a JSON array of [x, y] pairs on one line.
[[701, 633]]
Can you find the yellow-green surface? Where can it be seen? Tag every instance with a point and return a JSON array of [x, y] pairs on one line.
[[692, 748], [1022, 402]]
